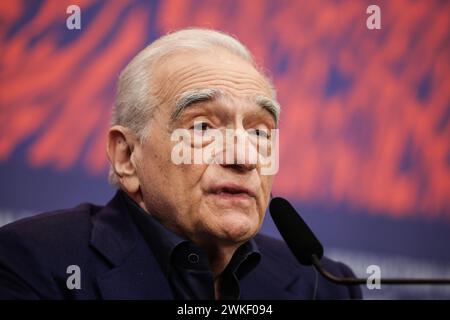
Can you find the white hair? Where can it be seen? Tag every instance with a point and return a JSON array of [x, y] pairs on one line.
[[135, 103]]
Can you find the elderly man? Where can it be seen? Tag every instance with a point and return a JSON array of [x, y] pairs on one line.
[[175, 229]]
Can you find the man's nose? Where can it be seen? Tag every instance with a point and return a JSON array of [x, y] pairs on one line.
[[240, 153], [240, 167]]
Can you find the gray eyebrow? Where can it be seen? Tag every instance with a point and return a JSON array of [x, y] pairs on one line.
[[193, 96], [200, 95], [270, 105]]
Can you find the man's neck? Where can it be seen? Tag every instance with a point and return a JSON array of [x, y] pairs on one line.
[[219, 257]]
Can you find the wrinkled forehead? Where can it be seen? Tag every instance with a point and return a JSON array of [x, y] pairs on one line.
[[192, 71]]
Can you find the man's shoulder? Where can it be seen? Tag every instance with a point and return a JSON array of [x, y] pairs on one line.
[[275, 250], [48, 227], [36, 251], [280, 263], [48, 239]]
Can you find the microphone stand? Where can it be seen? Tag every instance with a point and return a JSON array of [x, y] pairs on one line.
[[358, 281]]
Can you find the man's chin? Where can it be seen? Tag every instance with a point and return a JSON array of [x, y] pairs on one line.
[[231, 224], [236, 229]]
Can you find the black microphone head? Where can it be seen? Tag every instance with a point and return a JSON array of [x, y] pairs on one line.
[[295, 232]]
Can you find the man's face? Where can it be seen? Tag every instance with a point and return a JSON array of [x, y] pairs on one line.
[[205, 202]]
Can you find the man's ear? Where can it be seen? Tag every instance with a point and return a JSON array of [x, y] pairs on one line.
[[122, 143]]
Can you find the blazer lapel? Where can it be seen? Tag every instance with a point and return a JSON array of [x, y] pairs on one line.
[[136, 278], [134, 273]]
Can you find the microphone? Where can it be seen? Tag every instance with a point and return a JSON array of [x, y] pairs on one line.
[[308, 250]]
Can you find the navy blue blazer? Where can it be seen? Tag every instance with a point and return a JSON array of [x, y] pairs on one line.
[[116, 263]]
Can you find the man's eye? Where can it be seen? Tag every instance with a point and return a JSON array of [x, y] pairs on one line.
[[259, 133], [201, 126]]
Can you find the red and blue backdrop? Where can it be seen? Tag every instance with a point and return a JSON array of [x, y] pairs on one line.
[[365, 125]]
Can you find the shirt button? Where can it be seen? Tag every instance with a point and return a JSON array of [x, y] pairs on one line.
[[193, 258]]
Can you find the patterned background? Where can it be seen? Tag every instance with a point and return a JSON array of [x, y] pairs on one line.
[[365, 125]]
